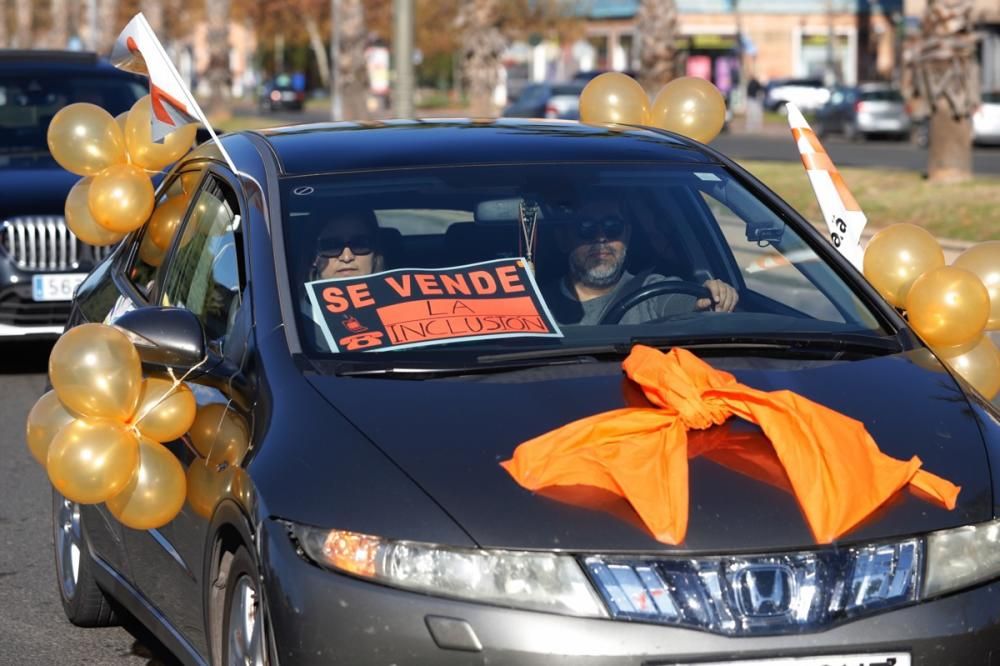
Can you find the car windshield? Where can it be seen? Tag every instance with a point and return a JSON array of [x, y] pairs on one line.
[[482, 260], [28, 103]]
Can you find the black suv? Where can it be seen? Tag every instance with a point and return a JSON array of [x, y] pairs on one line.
[[41, 261]]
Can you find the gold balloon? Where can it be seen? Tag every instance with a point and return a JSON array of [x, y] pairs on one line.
[[121, 119], [206, 485], [166, 218], [45, 419], [690, 106], [155, 494], [90, 461], [980, 366], [984, 260], [84, 139], [948, 306], [145, 152], [220, 435], [81, 222], [96, 372], [190, 180], [898, 255], [121, 198], [149, 251], [615, 98], [165, 412]]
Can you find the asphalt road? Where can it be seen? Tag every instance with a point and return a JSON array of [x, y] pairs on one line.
[[33, 628], [776, 144], [874, 153]]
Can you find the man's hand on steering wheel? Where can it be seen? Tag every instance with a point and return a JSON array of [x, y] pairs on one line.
[[724, 297]]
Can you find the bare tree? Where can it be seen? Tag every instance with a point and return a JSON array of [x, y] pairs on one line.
[[107, 25], [153, 11], [218, 74], [318, 49], [352, 71], [945, 77], [657, 36], [59, 24], [3, 24], [482, 44], [23, 37]]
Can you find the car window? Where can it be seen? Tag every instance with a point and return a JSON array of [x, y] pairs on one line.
[[533, 95], [881, 96], [678, 224], [991, 98], [204, 271], [148, 256], [29, 102]]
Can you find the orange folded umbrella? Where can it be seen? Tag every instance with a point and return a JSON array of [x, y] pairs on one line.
[[835, 469]]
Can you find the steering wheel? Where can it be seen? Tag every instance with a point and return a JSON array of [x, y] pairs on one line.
[[617, 309]]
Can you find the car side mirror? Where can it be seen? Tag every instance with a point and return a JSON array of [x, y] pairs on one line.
[[169, 337]]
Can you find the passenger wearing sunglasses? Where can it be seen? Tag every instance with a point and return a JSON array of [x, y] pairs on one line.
[[347, 246], [597, 245]]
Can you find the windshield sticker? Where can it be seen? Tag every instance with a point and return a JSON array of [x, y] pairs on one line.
[[706, 176], [415, 307]]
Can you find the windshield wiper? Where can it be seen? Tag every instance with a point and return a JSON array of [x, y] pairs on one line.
[[388, 370], [855, 343]]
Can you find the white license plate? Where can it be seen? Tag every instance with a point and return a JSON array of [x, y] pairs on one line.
[[876, 659], [56, 286]]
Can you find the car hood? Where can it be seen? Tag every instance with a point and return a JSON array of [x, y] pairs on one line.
[[450, 435], [33, 186]]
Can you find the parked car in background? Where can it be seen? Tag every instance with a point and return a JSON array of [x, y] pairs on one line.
[[281, 94], [863, 111], [588, 74], [986, 120], [548, 100], [807, 94], [41, 261]]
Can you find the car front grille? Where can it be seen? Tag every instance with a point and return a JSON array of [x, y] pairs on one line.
[[18, 311], [44, 243]]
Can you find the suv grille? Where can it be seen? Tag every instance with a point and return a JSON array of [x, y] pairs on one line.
[[43, 242]]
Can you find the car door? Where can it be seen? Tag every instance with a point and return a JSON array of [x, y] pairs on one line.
[[204, 273]]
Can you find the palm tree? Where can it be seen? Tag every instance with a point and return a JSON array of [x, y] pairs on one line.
[[482, 44], [657, 36], [944, 76], [352, 71]]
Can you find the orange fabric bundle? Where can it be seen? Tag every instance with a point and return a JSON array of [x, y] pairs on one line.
[[836, 470]]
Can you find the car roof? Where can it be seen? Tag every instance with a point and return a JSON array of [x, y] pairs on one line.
[[70, 62], [354, 146]]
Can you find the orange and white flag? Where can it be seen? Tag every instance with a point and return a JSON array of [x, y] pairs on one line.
[[138, 50], [841, 212]]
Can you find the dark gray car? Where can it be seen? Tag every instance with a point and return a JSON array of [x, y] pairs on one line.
[[874, 109], [352, 507]]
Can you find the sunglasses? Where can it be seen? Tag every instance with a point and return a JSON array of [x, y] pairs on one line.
[[611, 228], [331, 248]]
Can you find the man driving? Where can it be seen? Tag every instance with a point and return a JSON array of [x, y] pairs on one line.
[[597, 244]]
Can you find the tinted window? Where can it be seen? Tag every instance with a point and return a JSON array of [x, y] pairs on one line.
[[991, 98], [881, 96], [204, 272], [682, 223], [28, 103]]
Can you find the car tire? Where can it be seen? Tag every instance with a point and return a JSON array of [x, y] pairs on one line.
[[85, 604], [244, 606]]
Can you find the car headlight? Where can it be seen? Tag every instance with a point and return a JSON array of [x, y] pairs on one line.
[[522, 579], [962, 557]]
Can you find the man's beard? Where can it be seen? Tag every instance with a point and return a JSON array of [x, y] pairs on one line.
[[599, 276]]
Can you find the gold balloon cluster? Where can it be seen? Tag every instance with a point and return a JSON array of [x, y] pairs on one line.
[[950, 307], [687, 105], [116, 157], [98, 432]]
